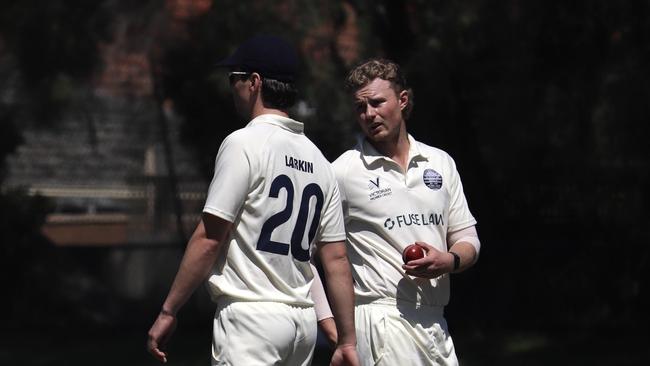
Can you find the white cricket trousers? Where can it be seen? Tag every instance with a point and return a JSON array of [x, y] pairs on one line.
[[262, 333], [389, 334]]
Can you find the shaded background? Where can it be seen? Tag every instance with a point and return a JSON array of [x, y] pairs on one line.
[[111, 114]]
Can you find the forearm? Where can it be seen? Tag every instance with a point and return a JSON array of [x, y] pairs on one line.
[[466, 245], [338, 276], [198, 260], [467, 255], [328, 327], [196, 265], [321, 304]]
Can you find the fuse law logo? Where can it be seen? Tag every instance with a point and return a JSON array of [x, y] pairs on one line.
[[415, 219]]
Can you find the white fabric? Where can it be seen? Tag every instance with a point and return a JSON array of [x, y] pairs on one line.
[[321, 305], [386, 210], [271, 152], [399, 334], [262, 334], [467, 235]]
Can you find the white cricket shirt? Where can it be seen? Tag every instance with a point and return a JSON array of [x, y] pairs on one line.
[[281, 195], [385, 210]]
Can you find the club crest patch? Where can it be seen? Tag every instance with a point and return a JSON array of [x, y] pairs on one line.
[[432, 179]]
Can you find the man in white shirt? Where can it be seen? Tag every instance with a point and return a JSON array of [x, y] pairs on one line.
[[273, 202], [397, 191]]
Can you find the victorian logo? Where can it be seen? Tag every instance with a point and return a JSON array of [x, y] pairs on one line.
[[376, 191], [374, 184], [432, 179]]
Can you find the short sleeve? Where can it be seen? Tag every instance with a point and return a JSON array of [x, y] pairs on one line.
[[231, 181], [332, 227], [460, 216], [339, 167]]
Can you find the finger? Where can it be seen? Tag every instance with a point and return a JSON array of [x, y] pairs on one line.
[[424, 245], [419, 262], [159, 355], [408, 267], [421, 272], [413, 272], [419, 265], [152, 347]]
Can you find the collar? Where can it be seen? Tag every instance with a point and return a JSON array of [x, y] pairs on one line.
[[370, 154], [280, 121]]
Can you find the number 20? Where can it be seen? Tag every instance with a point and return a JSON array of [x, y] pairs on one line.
[[264, 243]]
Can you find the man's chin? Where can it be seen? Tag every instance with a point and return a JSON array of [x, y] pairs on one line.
[[376, 136]]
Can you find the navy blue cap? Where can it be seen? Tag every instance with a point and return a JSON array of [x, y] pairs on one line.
[[270, 56]]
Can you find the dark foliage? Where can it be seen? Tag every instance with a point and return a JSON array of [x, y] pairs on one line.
[[54, 44], [543, 105]]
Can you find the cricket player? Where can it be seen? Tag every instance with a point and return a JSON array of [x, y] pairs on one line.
[[272, 204], [397, 191]]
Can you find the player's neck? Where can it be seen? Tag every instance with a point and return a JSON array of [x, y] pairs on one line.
[[270, 111], [396, 149], [259, 109]]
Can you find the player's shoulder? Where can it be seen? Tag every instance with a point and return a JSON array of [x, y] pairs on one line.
[[429, 150], [233, 146], [249, 138], [238, 136], [346, 157], [433, 153], [345, 161]]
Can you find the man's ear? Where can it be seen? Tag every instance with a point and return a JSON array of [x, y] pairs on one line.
[[256, 80], [403, 99]]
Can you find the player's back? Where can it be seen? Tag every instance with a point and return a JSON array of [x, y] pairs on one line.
[[283, 198]]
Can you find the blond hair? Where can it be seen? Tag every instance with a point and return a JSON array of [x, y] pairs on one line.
[[384, 69]]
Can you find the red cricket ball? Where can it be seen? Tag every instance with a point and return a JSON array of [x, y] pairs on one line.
[[412, 252]]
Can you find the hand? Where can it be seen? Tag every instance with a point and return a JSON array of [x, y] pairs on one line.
[[434, 263], [160, 332], [345, 355]]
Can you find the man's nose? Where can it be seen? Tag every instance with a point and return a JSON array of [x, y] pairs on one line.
[[370, 112]]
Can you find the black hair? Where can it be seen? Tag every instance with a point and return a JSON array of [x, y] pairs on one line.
[[278, 94]]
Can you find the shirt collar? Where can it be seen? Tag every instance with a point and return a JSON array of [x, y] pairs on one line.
[[370, 154], [280, 121]]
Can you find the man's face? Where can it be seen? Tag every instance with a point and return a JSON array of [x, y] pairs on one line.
[[379, 110], [241, 93]]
